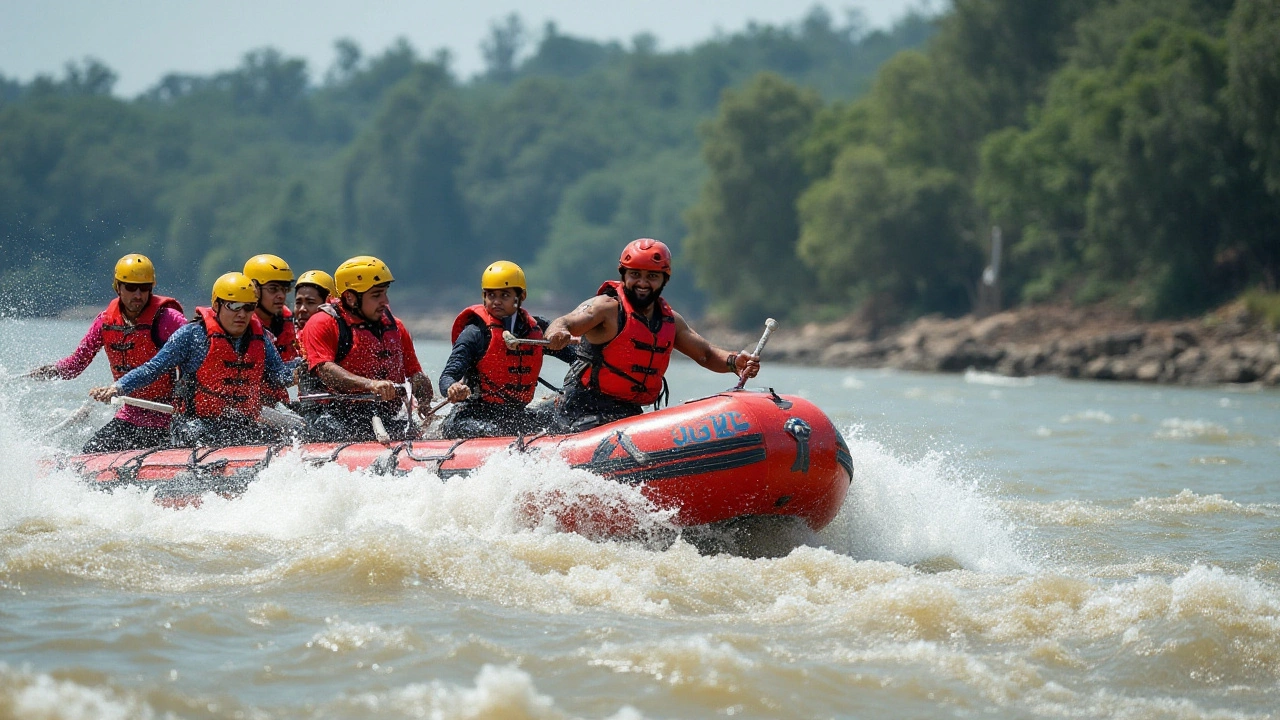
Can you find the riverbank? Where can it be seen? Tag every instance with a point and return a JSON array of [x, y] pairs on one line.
[[1225, 347]]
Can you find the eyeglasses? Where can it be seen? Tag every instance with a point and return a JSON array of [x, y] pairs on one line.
[[135, 287], [240, 306]]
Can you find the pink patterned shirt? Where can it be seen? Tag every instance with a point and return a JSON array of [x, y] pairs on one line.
[[167, 321]]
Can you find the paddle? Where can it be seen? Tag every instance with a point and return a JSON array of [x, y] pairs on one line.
[[76, 416], [769, 325], [409, 402], [286, 418], [380, 430], [344, 397], [435, 408], [84, 410], [512, 342], [144, 404]]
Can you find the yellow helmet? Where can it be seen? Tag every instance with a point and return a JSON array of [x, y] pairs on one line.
[[234, 287], [134, 268], [502, 274], [263, 269], [318, 278], [361, 273]]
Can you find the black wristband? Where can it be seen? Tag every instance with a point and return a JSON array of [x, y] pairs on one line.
[[732, 362]]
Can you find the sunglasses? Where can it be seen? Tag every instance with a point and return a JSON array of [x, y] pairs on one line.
[[240, 306], [135, 287]]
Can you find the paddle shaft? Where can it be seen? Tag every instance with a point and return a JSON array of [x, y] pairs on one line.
[[340, 397], [769, 325], [144, 404], [435, 408], [511, 341], [79, 414]]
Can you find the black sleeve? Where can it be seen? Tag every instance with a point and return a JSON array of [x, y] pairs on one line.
[[566, 354], [471, 345]]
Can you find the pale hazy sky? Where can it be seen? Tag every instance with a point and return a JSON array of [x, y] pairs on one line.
[[144, 39]]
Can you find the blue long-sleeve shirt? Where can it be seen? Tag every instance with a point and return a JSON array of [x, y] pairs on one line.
[[186, 349], [473, 343]]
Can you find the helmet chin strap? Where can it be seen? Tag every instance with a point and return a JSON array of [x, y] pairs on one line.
[[359, 301]]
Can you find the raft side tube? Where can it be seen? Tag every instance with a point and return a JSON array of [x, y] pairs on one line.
[[734, 454]]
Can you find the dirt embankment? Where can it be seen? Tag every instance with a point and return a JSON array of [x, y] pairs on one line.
[[1225, 347]]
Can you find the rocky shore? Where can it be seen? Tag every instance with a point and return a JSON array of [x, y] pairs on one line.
[[1227, 347]]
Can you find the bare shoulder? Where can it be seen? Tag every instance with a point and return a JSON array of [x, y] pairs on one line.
[[593, 308], [599, 304]]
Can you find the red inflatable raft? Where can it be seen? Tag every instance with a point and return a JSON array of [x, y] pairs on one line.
[[732, 455]]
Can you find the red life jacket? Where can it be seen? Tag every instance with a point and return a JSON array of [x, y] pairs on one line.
[[229, 382], [129, 346], [286, 336], [505, 375], [282, 327], [371, 350], [631, 366]]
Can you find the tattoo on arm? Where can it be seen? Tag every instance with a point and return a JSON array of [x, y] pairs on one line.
[[583, 311], [575, 320]]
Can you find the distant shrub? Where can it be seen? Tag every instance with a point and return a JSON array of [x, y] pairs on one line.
[[1265, 306]]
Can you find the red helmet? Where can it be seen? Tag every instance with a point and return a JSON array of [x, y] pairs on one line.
[[646, 254]]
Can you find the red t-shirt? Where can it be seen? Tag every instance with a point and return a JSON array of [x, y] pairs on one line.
[[320, 343]]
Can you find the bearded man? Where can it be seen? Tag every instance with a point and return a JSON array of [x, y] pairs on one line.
[[627, 334]]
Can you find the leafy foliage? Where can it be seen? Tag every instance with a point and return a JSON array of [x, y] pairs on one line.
[[1128, 149], [1131, 180], [743, 230], [559, 153]]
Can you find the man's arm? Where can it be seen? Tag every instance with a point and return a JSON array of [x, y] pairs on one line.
[[339, 380], [465, 354], [689, 342], [186, 348], [75, 363], [278, 373], [595, 320], [564, 354]]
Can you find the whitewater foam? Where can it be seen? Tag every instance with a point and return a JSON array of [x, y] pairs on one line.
[[499, 692], [26, 694], [912, 511]]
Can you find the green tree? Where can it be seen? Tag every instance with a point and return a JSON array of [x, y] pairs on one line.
[[528, 148], [401, 200], [1253, 91], [743, 230], [1133, 174], [506, 39], [390, 154], [610, 207], [876, 230]]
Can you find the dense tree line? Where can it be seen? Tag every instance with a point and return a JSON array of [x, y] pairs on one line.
[[1128, 149], [563, 149]]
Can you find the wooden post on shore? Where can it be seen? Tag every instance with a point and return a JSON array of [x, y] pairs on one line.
[[989, 289]]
